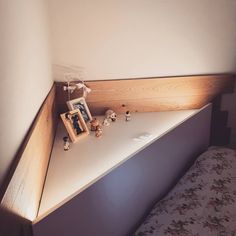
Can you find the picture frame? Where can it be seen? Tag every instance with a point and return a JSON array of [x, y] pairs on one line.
[[75, 125], [80, 103]]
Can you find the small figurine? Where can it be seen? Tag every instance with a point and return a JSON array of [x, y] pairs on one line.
[[94, 124], [98, 132], [66, 143], [106, 122], [111, 115], [127, 116]]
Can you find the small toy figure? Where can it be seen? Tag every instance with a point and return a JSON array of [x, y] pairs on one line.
[[106, 122], [66, 143], [94, 124], [127, 116], [111, 115], [75, 120], [98, 132]]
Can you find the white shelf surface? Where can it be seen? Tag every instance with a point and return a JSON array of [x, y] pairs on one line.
[[70, 172]]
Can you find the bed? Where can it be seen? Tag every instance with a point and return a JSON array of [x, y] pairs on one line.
[[203, 203]]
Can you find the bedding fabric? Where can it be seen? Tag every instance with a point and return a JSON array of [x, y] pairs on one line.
[[202, 203]]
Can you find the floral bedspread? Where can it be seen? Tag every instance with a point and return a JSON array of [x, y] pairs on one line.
[[203, 203]]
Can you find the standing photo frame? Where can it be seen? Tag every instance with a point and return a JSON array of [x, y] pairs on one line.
[[75, 125], [80, 104]]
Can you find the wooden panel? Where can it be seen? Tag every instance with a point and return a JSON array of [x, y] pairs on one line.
[[152, 94], [146, 105], [220, 132], [24, 191]]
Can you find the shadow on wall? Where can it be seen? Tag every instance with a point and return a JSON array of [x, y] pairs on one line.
[[13, 225], [228, 103]]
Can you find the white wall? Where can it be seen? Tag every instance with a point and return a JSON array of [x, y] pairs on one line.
[[25, 71], [115, 39]]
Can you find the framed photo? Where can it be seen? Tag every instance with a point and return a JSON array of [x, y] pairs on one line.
[[75, 125], [80, 103]]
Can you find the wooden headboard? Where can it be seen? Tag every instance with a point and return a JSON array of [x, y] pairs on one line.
[[151, 94]]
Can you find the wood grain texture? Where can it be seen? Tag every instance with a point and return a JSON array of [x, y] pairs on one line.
[[24, 190], [151, 94]]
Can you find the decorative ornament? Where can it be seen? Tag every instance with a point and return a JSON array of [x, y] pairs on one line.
[[111, 115], [127, 116], [98, 132], [94, 124], [66, 143], [106, 122]]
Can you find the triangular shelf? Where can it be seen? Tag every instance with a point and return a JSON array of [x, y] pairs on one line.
[[71, 172]]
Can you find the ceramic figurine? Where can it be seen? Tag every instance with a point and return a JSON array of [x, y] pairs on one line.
[[94, 124], [106, 122], [66, 143], [127, 116], [111, 115], [98, 132]]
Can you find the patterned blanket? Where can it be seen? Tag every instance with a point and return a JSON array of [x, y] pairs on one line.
[[203, 203]]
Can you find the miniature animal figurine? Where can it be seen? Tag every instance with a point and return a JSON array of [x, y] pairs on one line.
[[106, 122], [98, 132], [127, 116], [94, 124], [111, 115], [66, 143]]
